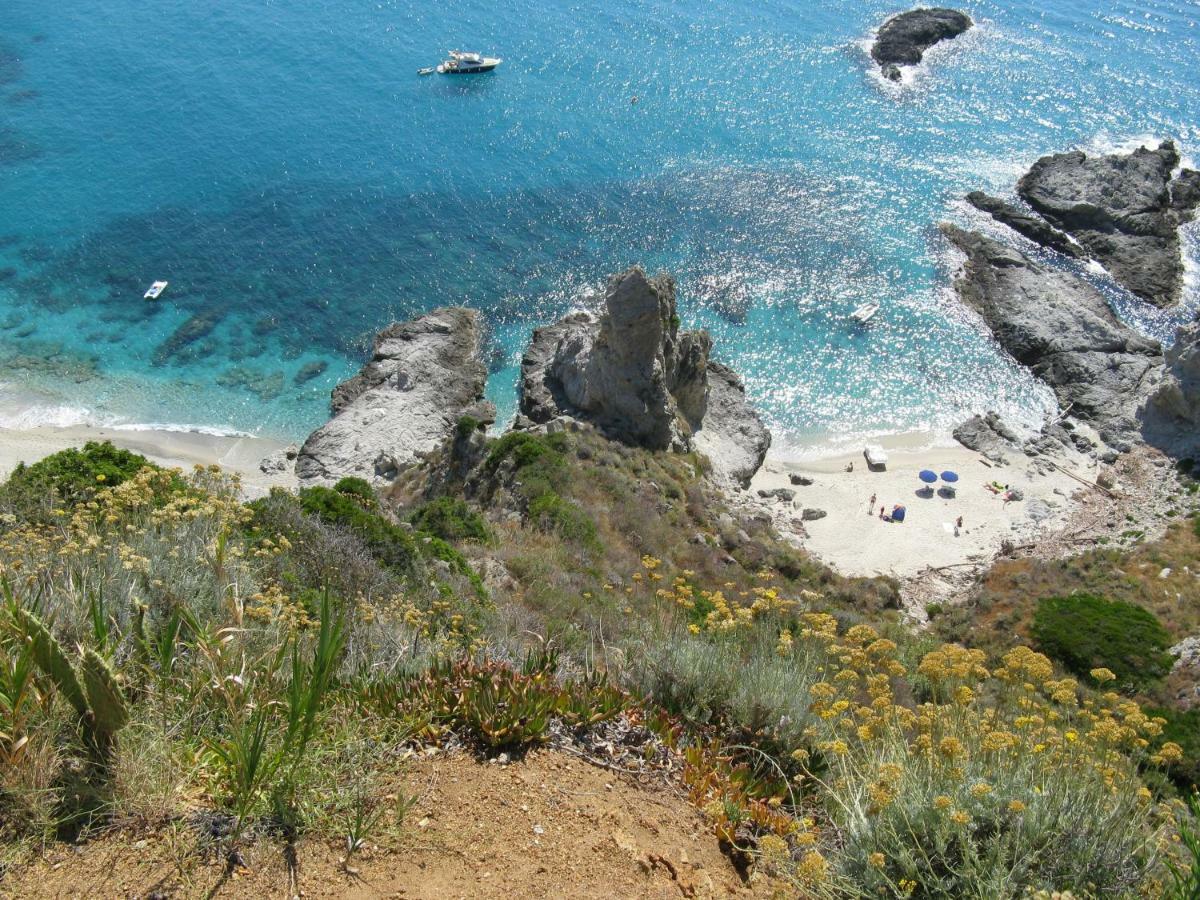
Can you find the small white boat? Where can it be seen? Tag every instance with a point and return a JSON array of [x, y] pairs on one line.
[[155, 290], [428, 70], [865, 313], [461, 63]]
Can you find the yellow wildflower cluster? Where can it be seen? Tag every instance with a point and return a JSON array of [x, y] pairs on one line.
[[720, 612], [272, 605], [988, 747]]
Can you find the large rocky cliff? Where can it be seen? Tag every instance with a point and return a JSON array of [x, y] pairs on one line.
[[632, 372], [423, 378]]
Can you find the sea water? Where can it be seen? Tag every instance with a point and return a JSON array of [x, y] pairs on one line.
[[284, 167]]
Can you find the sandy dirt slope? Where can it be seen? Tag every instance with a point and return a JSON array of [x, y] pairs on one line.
[[550, 825]]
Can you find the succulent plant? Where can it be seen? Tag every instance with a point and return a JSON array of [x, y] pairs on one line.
[[94, 691]]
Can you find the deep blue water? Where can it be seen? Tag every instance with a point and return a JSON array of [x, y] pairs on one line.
[[284, 167]]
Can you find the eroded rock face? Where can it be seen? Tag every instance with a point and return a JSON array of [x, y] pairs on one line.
[[903, 39], [1172, 416], [1124, 209], [1064, 331], [633, 373], [424, 376]]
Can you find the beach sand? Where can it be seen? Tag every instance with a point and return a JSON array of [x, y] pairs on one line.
[[181, 449], [855, 541]]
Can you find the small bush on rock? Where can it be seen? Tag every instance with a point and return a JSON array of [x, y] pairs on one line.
[[450, 519]]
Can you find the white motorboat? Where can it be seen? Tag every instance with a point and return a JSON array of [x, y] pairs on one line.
[[461, 63], [155, 290], [865, 313]]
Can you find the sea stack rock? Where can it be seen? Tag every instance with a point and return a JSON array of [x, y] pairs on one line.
[[630, 371], [1172, 416], [424, 376], [1063, 329], [1124, 209], [903, 39]]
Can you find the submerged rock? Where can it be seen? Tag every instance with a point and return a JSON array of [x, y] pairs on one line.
[[903, 39], [631, 372], [311, 370], [1124, 209], [424, 376], [1025, 223], [195, 328], [1063, 329]]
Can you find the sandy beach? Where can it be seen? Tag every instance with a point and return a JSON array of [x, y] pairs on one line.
[[855, 541], [182, 449]]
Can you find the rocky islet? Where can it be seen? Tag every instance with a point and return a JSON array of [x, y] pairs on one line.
[[903, 39]]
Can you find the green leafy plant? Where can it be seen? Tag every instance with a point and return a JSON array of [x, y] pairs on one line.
[[246, 764]]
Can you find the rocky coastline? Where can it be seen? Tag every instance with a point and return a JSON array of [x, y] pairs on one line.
[[903, 39], [627, 370], [1116, 387], [1123, 210]]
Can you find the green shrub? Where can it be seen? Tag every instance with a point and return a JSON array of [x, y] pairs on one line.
[[451, 519], [1085, 632], [389, 543], [524, 449], [552, 513], [467, 426], [357, 487], [70, 476]]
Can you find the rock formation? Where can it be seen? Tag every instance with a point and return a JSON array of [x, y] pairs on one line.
[[1025, 223], [1124, 209], [1063, 329], [903, 39], [1172, 415], [424, 376], [631, 372]]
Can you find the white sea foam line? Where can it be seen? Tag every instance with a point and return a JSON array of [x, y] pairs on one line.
[[65, 416]]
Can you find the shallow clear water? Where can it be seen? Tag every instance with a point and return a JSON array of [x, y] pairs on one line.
[[285, 168]]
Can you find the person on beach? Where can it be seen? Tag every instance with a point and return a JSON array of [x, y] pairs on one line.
[[850, 467], [957, 526], [871, 506], [880, 511]]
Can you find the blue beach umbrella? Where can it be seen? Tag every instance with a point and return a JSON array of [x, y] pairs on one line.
[[926, 476], [950, 477]]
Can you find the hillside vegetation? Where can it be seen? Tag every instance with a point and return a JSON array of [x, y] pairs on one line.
[[255, 675]]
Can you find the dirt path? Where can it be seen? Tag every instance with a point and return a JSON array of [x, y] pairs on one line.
[[548, 826]]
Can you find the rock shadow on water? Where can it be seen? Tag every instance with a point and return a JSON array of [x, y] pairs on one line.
[[16, 148], [198, 326]]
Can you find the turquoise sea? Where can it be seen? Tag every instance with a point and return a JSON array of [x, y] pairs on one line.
[[284, 167]]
